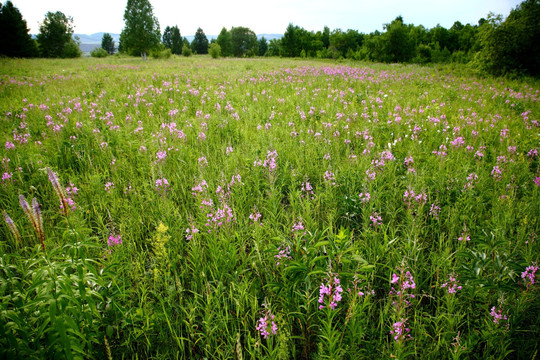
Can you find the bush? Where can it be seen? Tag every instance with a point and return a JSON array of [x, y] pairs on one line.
[[214, 50], [161, 54], [71, 50], [186, 51], [99, 53]]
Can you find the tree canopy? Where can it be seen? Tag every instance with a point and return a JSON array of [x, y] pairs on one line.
[[244, 42], [200, 42], [172, 39], [15, 40], [107, 43], [55, 34], [141, 32]]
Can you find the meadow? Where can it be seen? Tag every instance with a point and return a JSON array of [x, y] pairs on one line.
[[267, 208]]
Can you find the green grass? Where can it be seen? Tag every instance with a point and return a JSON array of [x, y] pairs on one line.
[[281, 151]]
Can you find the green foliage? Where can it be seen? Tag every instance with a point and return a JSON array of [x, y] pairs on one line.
[[200, 42], [244, 42], [511, 46], [172, 39], [186, 50], [55, 34], [99, 53], [107, 43], [141, 31], [161, 53], [225, 42], [215, 50], [220, 209], [15, 40], [71, 50], [263, 46]]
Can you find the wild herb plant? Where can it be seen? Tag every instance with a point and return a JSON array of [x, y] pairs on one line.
[[250, 208]]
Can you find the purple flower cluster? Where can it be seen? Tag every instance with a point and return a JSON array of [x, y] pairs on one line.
[[412, 199], [529, 275], [114, 240], [452, 285], [162, 185], [400, 331], [307, 190], [497, 315], [283, 253], [332, 291], [266, 329]]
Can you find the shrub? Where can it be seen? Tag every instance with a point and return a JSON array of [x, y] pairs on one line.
[[186, 51], [161, 54], [215, 50], [71, 50], [99, 53]]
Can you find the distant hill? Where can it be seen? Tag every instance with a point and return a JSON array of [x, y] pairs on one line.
[[92, 41]]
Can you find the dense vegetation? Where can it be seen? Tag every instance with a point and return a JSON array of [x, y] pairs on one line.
[[265, 208], [494, 46]]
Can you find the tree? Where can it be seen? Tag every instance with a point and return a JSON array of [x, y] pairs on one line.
[[172, 39], [15, 40], [398, 46], [263, 46], [107, 43], [225, 42], [141, 32], [200, 42], [512, 45], [167, 37], [176, 46], [54, 34], [288, 42], [244, 42]]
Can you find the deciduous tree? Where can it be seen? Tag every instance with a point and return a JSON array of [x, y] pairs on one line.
[[55, 34], [141, 32], [225, 42], [244, 42]]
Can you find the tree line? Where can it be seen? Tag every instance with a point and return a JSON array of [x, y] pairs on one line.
[[495, 45]]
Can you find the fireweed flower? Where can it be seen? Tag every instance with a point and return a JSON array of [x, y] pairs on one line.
[[464, 237], [401, 291], [364, 197], [435, 211], [497, 315], [375, 219], [255, 217], [307, 190], [496, 173], [265, 328], [452, 285], [109, 186], [283, 253], [190, 232], [400, 331], [297, 228], [114, 240], [332, 290], [162, 185], [329, 178], [529, 275]]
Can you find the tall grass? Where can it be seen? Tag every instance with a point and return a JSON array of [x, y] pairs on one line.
[[200, 208]]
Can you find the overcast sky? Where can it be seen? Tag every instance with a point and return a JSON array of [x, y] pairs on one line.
[[270, 16]]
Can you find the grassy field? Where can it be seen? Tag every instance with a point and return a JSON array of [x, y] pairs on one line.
[[267, 208]]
